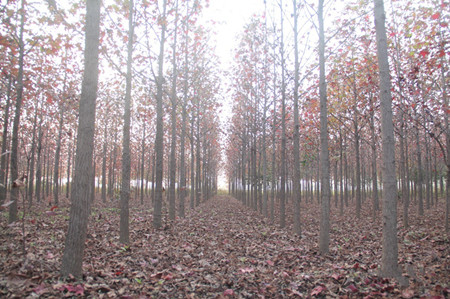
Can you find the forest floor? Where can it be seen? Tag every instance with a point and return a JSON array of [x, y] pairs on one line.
[[222, 250]]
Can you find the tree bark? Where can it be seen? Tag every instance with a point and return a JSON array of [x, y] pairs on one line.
[[4, 153], [159, 141], [389, 259], [16, 124], [296, 178], [324, 239], [282, 193], [173, 142], [58, 154], [126, 159], [80, 208]]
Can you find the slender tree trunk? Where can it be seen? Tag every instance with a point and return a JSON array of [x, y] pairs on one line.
[[4, 154], [16, 124], [126, 158], [80, 208], [419, 173], [192, 183], [282, 193], [69, 159], [341, 174], [105, 148], [324, 240], [32, 160], [173, 142], [159, 142], [57, 155], [198, 183], [182, 192], [376, 203], [296, 191], [38, 163], [142, 164], [389, 260]]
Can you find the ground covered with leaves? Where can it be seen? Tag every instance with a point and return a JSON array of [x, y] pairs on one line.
[[222, 250]]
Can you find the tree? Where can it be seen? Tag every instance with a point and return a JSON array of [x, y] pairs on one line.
[[79, 211], [389, 259], [159, 141], [296, 184], [16, 123], [324, 155], [126, 160]]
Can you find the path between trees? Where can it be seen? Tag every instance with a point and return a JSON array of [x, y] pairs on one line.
[[221, 249]]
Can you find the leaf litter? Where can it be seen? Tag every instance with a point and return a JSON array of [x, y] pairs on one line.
[[223, 250]]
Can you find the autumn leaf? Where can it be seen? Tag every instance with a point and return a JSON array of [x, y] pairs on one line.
[[246, 270], [424, 53], [352, 288], [318, 290], [407, 293], [228, 292], [435, 16]]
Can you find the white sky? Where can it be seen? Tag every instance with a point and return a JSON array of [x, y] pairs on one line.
[[229, 17]]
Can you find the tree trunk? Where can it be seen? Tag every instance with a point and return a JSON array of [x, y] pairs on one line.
[[57, 155], [32, 160], [182, 191], [389, 260], [4, 153], [159, 142], [126, 158], [79, 211], [324, 242], [296, 178], [16, 124], [282, 193], [142, 165], [105, 148], [173, 142], [419, 173], [39, 163]]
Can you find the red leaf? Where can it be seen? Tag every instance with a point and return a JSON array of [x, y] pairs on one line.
[[352, 288], [424, 53], [407, 293], [317, 290], [270, 263], [228, 292], [168, 276], [435, 16], [335, 276], [356, 266]]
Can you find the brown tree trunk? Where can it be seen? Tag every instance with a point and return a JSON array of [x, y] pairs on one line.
[[324, 239], [79, 211], [159, 141], [389, 260], [124, 234], [16, 124], [173, 142]]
